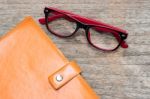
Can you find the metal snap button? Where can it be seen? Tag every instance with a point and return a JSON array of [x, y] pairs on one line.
[[59, 78]]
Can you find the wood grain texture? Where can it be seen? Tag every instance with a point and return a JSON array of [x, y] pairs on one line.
[[123, 74]]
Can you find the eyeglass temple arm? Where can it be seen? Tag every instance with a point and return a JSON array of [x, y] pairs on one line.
[[83, 19], [88, 21]]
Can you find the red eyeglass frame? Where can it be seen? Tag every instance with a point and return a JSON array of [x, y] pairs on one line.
[[86, 23]]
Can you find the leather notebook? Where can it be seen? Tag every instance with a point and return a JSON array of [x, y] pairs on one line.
[[32, 67]]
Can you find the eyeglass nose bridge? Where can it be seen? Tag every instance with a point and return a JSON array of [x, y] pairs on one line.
[[82, 26]]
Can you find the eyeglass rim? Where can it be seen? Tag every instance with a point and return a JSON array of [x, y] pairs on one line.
[[87, 35]]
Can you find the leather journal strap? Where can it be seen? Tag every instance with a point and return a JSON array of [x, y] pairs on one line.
[[64, 75]]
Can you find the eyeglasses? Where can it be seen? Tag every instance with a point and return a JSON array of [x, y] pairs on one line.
[[100, 35]]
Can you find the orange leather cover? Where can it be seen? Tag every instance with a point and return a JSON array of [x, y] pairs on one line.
[[29, 64]]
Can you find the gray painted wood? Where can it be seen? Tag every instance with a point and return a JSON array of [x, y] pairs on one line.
[[123, 74]]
